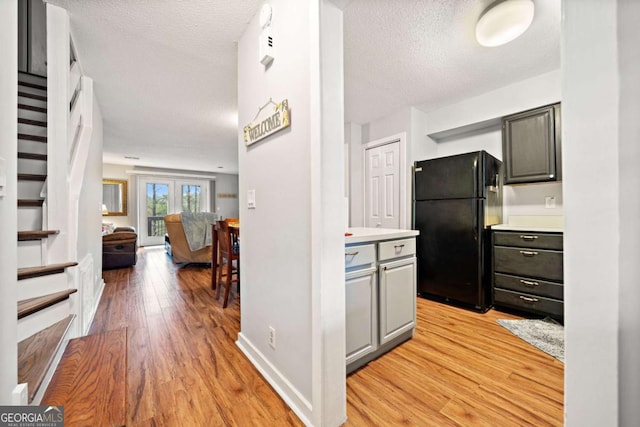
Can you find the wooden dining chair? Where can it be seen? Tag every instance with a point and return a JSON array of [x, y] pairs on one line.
[[228, 253]]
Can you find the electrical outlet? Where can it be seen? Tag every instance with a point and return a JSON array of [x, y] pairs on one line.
[[272, 337], [550, 202]]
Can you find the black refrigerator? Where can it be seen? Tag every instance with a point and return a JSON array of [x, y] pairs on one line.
[[456, 199]]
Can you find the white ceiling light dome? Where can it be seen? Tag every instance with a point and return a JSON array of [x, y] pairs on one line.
[[504, 21]]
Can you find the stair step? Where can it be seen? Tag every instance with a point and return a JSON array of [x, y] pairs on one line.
[[90, 380], [27, 272], [31, 177], [33, 305], [32, 85], [32, 137], [32, 96], [32, 156], [32, 122], [36, 353], [30, 202], [36, 234], [32, 108]]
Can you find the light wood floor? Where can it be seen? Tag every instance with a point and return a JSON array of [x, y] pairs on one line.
[[183, 367]]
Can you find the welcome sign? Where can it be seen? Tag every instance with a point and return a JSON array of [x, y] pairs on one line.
[[271, 118]]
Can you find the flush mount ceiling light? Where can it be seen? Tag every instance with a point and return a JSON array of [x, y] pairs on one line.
[[504, 21]]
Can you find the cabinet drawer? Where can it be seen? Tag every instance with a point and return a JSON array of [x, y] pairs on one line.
[[361, 255], [529, 285], [397, 248], [529, 302], [528, 239], [538, 263]]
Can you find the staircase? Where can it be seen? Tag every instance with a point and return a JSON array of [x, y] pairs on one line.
[[45, 306]]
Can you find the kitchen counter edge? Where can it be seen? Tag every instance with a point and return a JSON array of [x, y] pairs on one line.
[[363, 234], [507, 227]]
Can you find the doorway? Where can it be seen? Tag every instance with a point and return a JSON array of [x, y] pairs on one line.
[[159, 196]]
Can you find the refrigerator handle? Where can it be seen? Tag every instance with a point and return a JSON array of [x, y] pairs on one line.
[[476, 220]]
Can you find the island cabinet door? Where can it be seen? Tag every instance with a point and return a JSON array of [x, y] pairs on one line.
[[361, 316], [397, 298]]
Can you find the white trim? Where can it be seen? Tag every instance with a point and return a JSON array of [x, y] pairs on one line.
[[176, 174], [95, 307], [401, 138], [292, 396]]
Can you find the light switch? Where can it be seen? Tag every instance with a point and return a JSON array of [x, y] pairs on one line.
[[251, 199]]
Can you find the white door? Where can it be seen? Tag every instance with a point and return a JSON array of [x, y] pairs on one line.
[[160, 196], [382, 186], [155, 201]]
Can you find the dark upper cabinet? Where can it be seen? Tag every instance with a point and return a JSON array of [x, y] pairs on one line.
[[531, 146]]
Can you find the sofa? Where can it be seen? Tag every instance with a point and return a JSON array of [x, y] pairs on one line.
[[177, 245], [119, 248]]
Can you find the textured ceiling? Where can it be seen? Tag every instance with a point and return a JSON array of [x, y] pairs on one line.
[[424, 53], [164, 71]]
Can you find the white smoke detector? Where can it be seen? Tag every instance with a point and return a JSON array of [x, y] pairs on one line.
[[265, 40], [265, 15]]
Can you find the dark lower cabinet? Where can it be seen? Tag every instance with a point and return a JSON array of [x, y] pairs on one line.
[[531, 146], [527, 272]]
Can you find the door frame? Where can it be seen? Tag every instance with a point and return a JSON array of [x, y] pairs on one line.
[[401, 138]]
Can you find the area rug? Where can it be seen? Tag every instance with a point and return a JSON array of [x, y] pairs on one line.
[[546, 334]]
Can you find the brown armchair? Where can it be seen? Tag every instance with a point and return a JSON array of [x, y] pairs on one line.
[[180, 250]]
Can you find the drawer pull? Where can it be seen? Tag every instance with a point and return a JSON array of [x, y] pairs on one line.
[[529, 283], [529, 253], [527, 299], [528, 237], [351, 253], [399, 246]]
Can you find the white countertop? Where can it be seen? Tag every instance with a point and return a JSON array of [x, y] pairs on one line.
[[363, 234], [510, 227]]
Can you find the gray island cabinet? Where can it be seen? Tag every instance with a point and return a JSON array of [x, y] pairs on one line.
[[380, 285]]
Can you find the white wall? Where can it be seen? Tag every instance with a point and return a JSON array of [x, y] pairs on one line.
[[524, 95], [90, 201], [411, 122], [289, 241], [353, 138], [58, 164], [629, 131], [602, 249], [111, 171], [8, 202], [226, 184]]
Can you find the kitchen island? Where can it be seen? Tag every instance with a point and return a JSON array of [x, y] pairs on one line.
[[380, 268]]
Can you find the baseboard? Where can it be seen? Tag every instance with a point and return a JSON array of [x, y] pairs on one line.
[[292, 397], [95, 307]]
